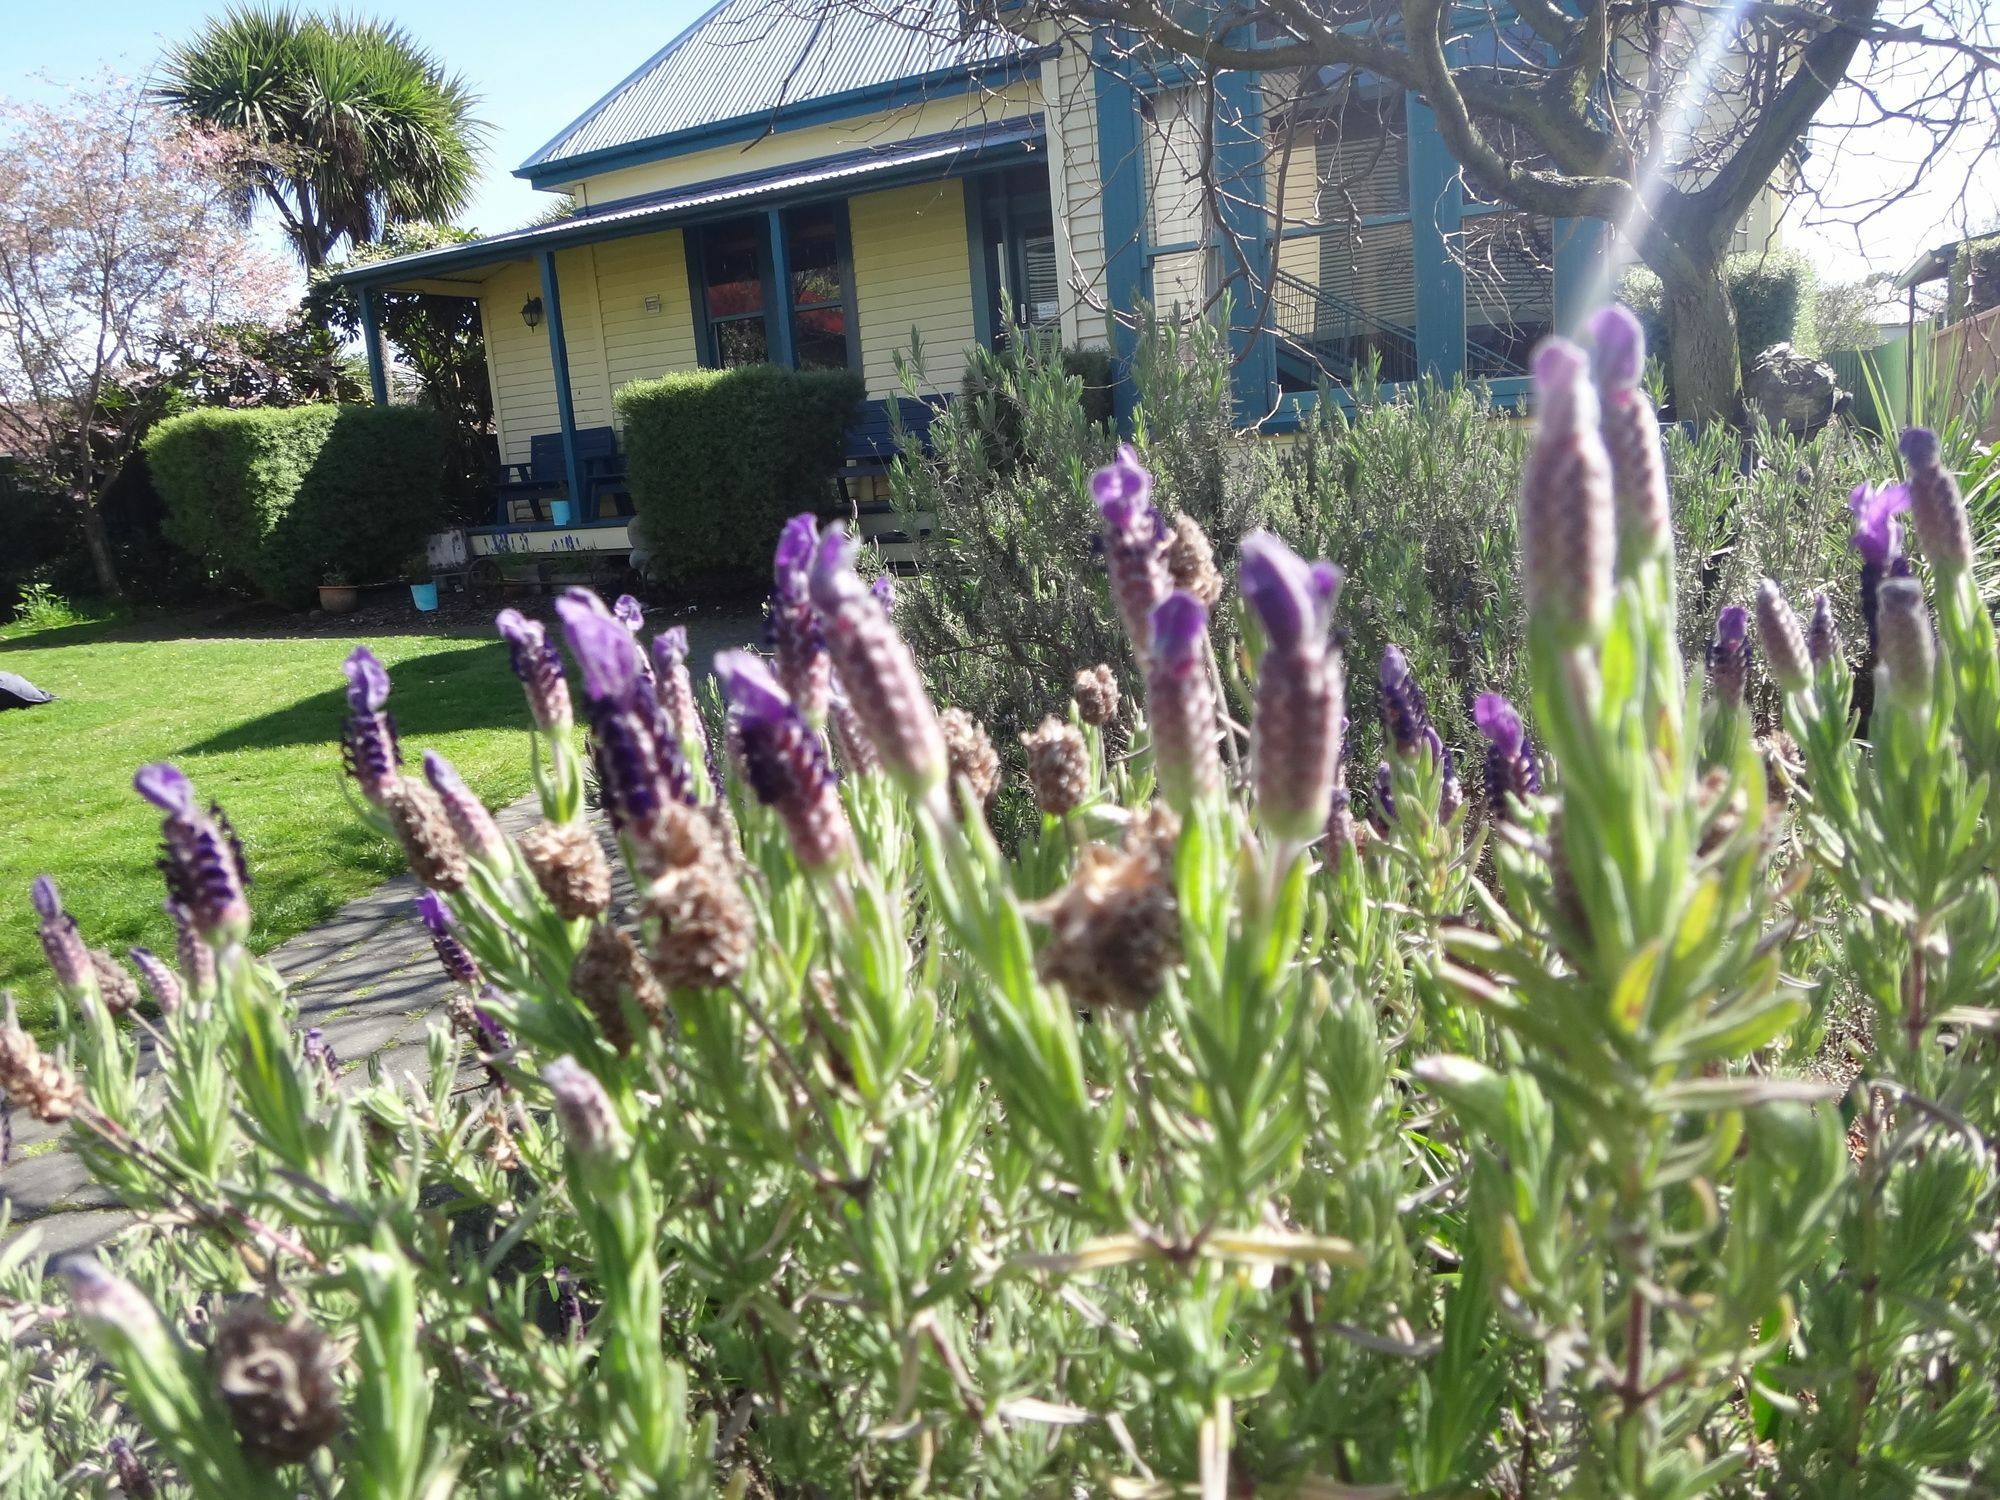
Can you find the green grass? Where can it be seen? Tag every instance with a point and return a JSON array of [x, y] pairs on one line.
[[255, 723]]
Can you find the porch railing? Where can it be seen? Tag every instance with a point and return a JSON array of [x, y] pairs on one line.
[[1336, 335]]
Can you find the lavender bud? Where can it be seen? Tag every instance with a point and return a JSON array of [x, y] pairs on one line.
[[39, 1084], [115, 984], [803, 668], [674, 688], [1785, 653], [1729, 656], [452, 954], [368, 744], [1406, 719], [1511, 769], [1936, 506], [1343, 835], [161, 981], [68, 958], [1907, 655], [539, 667], [1180, 705], [1296, 752], [784, 760], [195, 957], [1877, 538], [1451, 791], [877, 671], [1383, 809], [589, 1119], [100, 1296], [470, 820], [857, 751], [1134, 543], [1566, 508], [203, 861], [1822, 635], [1631, 432]]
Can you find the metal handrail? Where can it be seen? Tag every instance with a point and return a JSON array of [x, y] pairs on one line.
[[1336, 334]]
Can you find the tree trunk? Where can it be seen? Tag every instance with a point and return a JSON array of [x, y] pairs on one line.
[[1701, 331], [99, 542]]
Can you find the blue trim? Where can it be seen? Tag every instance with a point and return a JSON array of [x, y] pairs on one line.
[[778, 294], [1239, 159], [371, 336], [1121, 169], [874, 98], [1509, 393], [1579, 253], [559, 361], [1437, 198], [982, 280]]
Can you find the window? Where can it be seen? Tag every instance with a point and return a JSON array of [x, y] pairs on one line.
[[821, 331], [733, 260]]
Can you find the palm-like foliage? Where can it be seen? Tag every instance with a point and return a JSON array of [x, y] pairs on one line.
[[347, 125]]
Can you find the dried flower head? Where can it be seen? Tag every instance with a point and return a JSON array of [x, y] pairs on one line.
[[1135, 544], [134, 1479], [38, 1084], [1566, 506], [203, 861], [1936, 507], [1058, 766], [1180, 703], [424, 831], [1115, 929], [589, 1119], [539, 667], [1729, 656], [570, 868], [608, 971], [368, 745], [115, 985], [1191, 561], [1096, 694], [701, 924], [1631, 432], [1785, 652], [1784, 767], [971, 754], [278, 1381], [477, 832], [1300, 686]]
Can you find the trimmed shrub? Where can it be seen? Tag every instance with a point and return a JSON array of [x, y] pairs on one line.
[[718, 459], [1775, 294], [280, 498]]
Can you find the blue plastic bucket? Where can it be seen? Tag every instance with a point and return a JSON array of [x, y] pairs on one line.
[[559, 512], [424, 596]]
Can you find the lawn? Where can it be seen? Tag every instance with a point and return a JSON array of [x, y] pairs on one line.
[[255, 722]]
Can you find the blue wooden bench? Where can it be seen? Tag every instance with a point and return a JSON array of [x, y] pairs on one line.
[[871, 449], [544, 476]]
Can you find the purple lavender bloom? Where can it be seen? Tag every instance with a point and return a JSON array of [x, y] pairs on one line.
[[1567, 543], [1180, 704], [674, 688], [319, 1053], [1936, 507], [164, 984], [196, 958], [1729, 656], [783, 759], [1135, 543], [61, 941], [1907, 654], [470, 820], [452, 954], [1822, 635], [1406, 718], [883, 587], [1382, 811], [632, 615], [368, 744], [637, 754], [878, 672], [203, 861], [1511, 769], [1297, 749], [539, 667], [1631, 432], [1876, 535], [803, 666]]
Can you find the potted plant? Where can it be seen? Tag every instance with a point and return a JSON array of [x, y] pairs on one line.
[[423, 588], [337, 593]]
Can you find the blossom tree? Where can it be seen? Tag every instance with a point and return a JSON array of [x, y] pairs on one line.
[[118, 246]]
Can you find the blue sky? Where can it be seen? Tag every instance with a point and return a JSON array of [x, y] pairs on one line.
[[536, 65]]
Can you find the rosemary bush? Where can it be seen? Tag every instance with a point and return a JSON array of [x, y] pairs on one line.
[[1222, 1142]]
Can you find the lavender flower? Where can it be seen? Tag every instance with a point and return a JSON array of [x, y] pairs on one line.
[[883, 587], [1878, 539], [368, 744], [1729, 656], [1383, 808], [318, 1052], [1406, 718], [589, 1119], [539, 667], [795, 637], [196, 958], [673, 686], [1785, 652], [1180, 704], [1822, 635], [857, 751], [203, 861], [1631, 432], [451, 953], [1906, 654], [474, 825], [1566, 506], [1511, 769], [161, 981], [636, 758], [61, 941], [877, 671], [1135, 543], [1299, 686], [1936, 507], [783, 760]]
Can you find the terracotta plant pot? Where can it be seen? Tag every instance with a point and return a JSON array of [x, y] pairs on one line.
[[338, 598]]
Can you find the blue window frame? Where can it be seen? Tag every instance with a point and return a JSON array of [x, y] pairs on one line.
[[776, 287]]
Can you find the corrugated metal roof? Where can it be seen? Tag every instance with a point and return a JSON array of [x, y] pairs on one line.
[[752, 57], [937, 154]]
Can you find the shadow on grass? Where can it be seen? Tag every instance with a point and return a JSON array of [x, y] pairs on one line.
[[440, 693]]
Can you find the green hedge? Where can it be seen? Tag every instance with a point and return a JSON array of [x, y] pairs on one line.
[[1775, 295], [282, 498], [719, 459]]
